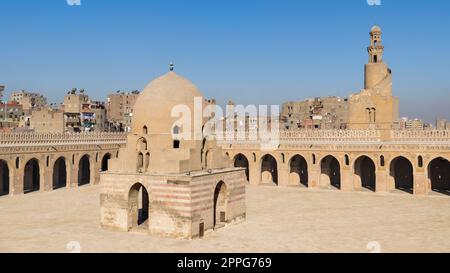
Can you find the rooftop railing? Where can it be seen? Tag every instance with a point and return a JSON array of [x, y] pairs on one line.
[[40, 139]]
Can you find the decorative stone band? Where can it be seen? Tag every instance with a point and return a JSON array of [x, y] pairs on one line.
[[352, 137], [421, 136], [285, 136], [60, 139]]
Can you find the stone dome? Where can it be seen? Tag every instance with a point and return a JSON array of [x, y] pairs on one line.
[[375, 29], [154, 105]]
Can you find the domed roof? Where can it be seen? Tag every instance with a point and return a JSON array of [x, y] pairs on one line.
[[154, 105], [375, 29]]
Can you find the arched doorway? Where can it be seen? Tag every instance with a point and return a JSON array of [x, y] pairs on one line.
[[365, 172], [439, 175], [331, 170], [220, 205], [105, 162], [269, 170], [298, 171], [402, 171], [32, 176], [138, 206], [4, 178], [241, 161], [84, 171], [59, 174]]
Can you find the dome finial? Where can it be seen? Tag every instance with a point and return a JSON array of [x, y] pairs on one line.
[[171, 66]]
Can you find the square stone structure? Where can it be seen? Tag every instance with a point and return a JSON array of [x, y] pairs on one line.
[[165, 183]]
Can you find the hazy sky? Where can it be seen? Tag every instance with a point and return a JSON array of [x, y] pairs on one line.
[[250, 51]]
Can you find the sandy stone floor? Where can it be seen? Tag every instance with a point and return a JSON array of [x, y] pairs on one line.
[[279, 220]]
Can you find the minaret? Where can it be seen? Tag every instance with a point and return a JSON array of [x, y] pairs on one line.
[[374, 107], [376, 48], [376, 71]]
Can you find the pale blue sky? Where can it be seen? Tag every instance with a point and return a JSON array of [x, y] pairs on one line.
[[252, 51]]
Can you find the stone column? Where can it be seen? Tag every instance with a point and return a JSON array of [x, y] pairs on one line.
[[382, 181], [313, 176], [17, 187], [420, 183], [254, 173], [283, 175], [72, 177], [95, 173], [347, 180], [46, 183]]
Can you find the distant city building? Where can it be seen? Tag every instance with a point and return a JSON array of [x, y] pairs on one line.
[[2, 90], [11, 116], [81, 114], [93, 116], [120, 109], [28, 100], [47, 121], [316, 113], [442, 124], [410, 124]]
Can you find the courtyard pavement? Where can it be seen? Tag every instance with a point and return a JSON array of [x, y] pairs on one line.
[[278, 220]]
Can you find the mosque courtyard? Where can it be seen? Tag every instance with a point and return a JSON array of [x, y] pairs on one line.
[[278, 220]]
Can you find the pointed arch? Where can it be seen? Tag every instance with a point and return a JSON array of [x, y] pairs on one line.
[[298, 171]]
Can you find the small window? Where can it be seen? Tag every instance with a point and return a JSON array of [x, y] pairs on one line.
[[201, 233], [382, 162], [347, 160], [176, 130], [145, 130], [314, 159], [420, 161], [176, 144]]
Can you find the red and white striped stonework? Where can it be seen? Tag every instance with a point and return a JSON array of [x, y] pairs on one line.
[[180, 206]]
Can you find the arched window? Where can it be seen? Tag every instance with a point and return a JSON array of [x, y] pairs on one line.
[[420, 161], [176, 130], [283, 158], [145, 130], [140, 162], [142, 144], [314, 159], [17, 163], [47, 162], [347, 160], [382, 161], [369, 115], [147, 160]]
